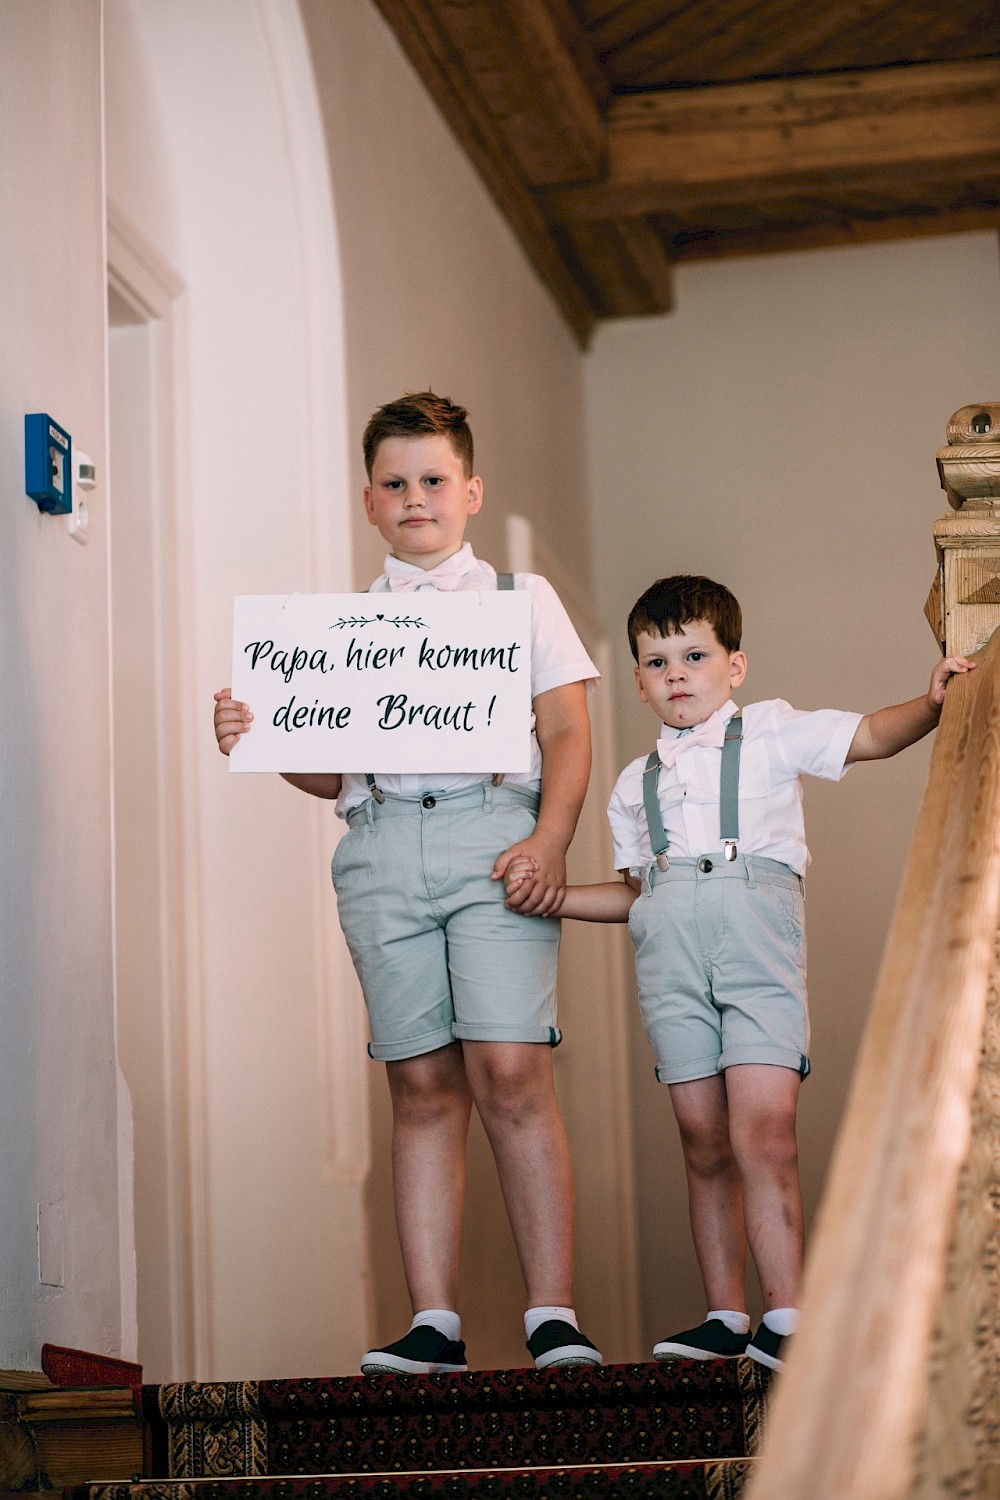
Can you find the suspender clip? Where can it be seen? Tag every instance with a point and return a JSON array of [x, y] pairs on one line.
[[377, 793], [730, 847], [662, 862]]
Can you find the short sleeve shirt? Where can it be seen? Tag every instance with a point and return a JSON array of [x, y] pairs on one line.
[[780, 745], [557, 658]]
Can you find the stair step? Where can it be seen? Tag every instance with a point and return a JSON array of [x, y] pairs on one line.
[[51, 1439], [719, 1479], [488, 1419]]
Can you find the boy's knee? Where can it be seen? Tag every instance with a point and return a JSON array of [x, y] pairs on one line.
[[428, 1088], [512, 1081], [767, 1141], [707, 1149]]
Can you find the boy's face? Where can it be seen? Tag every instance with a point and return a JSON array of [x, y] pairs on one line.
[[685, 677], [420, 498]]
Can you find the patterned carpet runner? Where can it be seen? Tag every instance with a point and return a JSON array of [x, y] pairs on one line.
[[683, 1429]]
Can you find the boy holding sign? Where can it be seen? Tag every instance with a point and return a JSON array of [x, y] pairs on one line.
[[460, 992]]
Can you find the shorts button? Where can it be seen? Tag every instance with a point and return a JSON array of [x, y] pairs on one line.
[[428, 802], [705, 866]]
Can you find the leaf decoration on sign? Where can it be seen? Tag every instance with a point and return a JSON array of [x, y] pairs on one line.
[[401, 622]]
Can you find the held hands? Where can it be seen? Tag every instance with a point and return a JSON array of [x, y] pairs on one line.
[[231, 720], [534, 875], [521, 868], [949, 667]]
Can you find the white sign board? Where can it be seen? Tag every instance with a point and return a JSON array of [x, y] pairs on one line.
[[420, 681]]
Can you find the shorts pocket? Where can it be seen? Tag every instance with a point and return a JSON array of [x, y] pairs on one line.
[[351, 876], [788, 911], [507, 825]]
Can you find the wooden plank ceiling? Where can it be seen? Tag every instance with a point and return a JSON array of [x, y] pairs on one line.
[[621, 136]]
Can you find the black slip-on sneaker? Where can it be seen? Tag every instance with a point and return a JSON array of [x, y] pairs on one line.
[[767, 1347], [712, 1339], [422, 1351], [555, 1343]]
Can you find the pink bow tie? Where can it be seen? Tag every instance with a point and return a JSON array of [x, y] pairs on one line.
[[711, 732], [411, 582]]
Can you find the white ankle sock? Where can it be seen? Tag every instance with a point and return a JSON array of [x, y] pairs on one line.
[[736, 1322], [782, 1320], [536, 1316], [441, 1318]]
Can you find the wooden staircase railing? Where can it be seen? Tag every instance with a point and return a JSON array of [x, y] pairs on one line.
[[892, 1386]]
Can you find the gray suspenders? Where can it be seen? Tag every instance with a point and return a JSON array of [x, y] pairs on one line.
[[729, 795], [504, 581]]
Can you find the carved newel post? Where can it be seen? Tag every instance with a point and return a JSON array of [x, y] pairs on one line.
[[964, 603]]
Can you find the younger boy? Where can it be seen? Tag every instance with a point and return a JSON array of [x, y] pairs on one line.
[[709, 836], [460, 992]]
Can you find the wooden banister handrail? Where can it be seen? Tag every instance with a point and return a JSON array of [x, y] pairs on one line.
[[850, 1405]]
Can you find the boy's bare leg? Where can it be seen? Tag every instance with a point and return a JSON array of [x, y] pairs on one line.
[[514, 1092], [715, 1193], [762, 1105], [431, 1105]]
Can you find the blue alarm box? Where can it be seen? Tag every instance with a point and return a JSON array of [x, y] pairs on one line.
[[48, 468]]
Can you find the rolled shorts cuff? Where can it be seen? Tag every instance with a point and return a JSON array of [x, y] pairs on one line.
[[416, 1046], [691, 1072], [475, 1031], [775, 1057]]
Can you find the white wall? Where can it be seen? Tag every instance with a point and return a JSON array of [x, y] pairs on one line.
[[58, 1092], [438, 293], [228, 114], [778, 432]]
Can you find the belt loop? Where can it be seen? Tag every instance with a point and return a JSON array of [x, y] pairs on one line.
[[646, 880], [487, 796], [370, 807], [751, 870]]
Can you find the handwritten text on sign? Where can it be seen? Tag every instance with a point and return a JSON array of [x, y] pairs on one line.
[[419, 681]]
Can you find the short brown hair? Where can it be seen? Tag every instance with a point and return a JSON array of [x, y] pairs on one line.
[[419, 414], [671, 603]]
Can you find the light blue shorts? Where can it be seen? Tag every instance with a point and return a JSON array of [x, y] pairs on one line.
[[439, 955], [720, 953]]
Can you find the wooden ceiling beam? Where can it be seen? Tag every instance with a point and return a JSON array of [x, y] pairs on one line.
[[624, 265], [515, 55], [445, 73], [675, 150], [770, 241]]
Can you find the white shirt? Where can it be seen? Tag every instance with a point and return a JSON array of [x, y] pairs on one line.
[[780, 745], [557, 657]]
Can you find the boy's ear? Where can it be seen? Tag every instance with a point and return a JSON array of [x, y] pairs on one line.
[[369, 507], [737, 668], [475, 493], [638, 683]]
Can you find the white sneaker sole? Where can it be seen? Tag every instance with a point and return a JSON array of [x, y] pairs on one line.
[[764, 1359], [682, 1351], [379, 1363], [569, 1354]]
